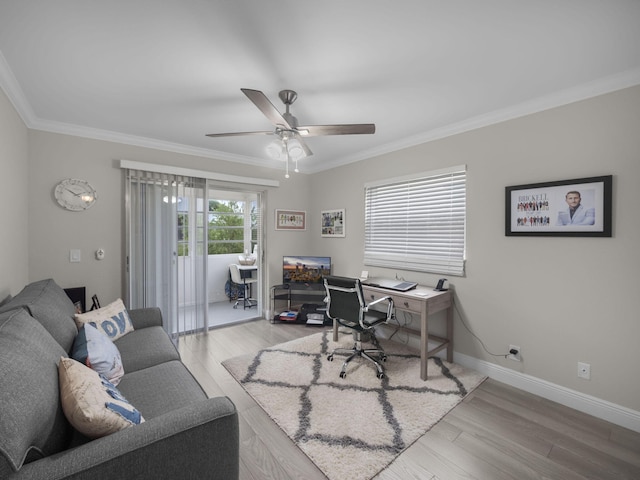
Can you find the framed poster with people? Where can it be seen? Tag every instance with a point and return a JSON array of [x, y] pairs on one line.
[[566, 208]]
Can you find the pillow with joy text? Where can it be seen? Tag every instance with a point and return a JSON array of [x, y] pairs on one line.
[[112, 320]]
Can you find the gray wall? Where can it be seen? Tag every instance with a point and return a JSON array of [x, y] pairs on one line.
[[54, 231], [563, 300], [14, 200]]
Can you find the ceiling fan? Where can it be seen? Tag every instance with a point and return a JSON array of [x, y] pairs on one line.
[[286, 125]]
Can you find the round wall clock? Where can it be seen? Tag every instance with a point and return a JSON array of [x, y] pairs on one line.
[[75, 195]]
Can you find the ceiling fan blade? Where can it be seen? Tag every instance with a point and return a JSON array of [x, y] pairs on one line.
[[266, 107], [236, 134], [305, 147], [347, 129]]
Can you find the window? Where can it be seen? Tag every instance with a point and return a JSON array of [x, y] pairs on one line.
[[417, 223], [227, 222], [183, 233]]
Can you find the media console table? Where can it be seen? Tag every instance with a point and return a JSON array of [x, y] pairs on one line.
[[423, 301]]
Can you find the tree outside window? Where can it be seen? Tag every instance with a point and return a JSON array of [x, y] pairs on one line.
[[227, 221]]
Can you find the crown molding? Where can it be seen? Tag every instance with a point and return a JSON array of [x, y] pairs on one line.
[[146, 142], [11, 88], [584, 91], [622, 80]]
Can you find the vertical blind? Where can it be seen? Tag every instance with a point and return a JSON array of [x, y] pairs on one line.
[[157, 275], [417, 223]]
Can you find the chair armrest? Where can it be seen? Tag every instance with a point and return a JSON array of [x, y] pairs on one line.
[[382, 299], [201, 440], [390, 310], [145, 317]]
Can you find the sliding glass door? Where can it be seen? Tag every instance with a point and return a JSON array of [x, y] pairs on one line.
[[234, 231], [166, 248]]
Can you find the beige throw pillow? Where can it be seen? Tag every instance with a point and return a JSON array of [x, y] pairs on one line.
[[112, 320], [92, 404]]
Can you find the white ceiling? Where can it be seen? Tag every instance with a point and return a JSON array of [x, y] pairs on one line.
[[164, 74]]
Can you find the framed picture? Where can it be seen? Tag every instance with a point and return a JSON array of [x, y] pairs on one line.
[[332, 223], [290, 220], [566, 208]]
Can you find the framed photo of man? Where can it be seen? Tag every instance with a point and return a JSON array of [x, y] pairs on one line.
[[566, 208]]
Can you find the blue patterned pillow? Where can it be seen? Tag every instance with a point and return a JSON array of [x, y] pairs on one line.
[[98, 352]]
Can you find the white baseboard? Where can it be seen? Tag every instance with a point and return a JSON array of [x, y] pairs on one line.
[[597, 407]]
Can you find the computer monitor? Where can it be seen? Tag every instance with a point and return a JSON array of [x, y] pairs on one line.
[[305, 269]]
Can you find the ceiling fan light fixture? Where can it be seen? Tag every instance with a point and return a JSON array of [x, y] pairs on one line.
[[295, 149], [274, 150]]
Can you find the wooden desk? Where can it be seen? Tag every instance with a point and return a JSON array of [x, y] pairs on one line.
[[423, 301]]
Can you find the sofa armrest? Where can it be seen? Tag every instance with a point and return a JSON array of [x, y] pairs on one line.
[[197, 441], [146, 317]]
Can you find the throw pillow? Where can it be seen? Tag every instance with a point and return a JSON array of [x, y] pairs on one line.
[[98, 352], [92, 404], [112, 320]]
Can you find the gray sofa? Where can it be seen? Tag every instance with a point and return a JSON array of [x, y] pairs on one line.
[[185, 434]]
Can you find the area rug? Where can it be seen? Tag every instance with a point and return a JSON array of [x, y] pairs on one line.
[[351, 428]]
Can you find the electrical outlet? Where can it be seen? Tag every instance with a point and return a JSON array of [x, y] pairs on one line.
[[515, 356], [584, 370]]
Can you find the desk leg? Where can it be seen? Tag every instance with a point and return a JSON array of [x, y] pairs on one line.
[[450, 332], [424, 344]]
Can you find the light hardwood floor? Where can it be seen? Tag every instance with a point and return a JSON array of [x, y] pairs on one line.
[[497, 432]]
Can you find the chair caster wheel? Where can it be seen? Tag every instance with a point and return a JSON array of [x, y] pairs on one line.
[[384, 359], [380, 375], [330, 358], [343, 374]]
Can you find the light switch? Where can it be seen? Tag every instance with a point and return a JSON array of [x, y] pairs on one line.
[[74, 255]]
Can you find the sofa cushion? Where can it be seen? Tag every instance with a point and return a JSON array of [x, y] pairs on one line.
[[92, 404], [46, 302], [159, 389], [32, 423], [145, 348], [112, 320], [98, 352]]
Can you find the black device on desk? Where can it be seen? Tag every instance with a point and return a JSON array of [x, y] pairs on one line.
[[440, 286]]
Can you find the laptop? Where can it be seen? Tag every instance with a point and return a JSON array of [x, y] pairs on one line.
[[391, 284]]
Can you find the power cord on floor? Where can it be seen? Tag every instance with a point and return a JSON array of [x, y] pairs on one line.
[[505, 355], [399, 327]]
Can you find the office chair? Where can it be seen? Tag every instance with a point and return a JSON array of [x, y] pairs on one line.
[[345, 305], [245, 283]]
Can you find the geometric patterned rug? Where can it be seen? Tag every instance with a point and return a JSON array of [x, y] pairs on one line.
[[351, 428]]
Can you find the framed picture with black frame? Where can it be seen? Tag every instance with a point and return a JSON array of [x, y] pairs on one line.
[[566, 208]]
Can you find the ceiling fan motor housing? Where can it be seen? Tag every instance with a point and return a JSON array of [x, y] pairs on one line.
[[287, 96]]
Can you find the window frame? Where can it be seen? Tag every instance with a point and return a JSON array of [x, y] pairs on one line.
[[417, 222]]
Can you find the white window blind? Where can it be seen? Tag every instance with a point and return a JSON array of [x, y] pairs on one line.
[[417, 223]]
